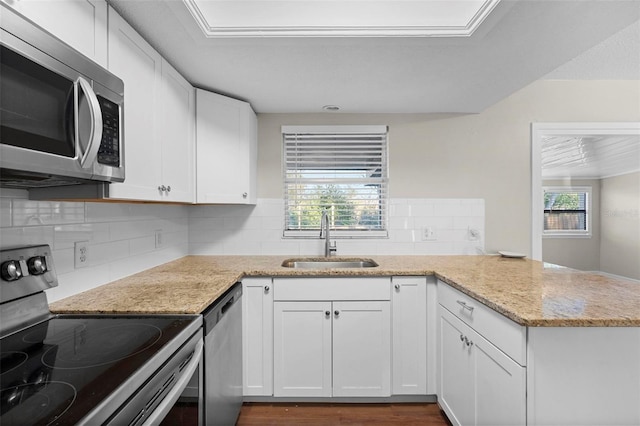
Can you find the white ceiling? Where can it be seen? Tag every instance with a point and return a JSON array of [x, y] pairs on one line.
[[589, 156], [519, 42]]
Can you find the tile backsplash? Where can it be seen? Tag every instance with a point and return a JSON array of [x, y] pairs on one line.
[[258, 230], [125, 238], [120, 237]]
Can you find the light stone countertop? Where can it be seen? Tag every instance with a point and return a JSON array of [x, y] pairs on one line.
[[529, 292]]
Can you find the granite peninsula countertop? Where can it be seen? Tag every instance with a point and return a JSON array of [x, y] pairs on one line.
[[529, 292]]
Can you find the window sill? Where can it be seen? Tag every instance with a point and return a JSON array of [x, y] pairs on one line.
[[336, 235], [567, 235]]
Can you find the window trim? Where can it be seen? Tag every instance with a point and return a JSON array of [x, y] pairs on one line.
[[336, 233], [577, 233]]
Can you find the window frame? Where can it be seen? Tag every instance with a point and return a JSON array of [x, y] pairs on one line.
[[570, 233], [337, 233]]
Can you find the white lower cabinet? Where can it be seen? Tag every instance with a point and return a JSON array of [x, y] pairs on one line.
[[332, 337], [257, 336], [479, 384], [332, 348], [409, 335], [302, 349]]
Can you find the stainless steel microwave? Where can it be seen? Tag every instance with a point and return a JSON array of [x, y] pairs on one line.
[[61, 114]]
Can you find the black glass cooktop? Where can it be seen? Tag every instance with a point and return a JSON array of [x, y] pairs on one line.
[[56, 372]]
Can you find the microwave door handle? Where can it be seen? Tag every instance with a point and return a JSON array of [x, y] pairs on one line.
[[95, 134]]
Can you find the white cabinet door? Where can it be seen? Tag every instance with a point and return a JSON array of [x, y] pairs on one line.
[[177, 136], [409, 331], [479, 384], [227, 150], [456, 387], [325, 349], [82, 24], [500, 386], [257, 336], [140, 67], [302, 349], [159, 120], [361, 349]]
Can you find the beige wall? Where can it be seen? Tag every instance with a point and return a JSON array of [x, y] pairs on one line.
[[620, 225], [579, 253], [485, 155]]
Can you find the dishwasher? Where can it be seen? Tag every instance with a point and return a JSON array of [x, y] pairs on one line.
[[222, 359]]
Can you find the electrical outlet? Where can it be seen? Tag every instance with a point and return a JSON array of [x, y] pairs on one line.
[[473, 234], [81, 254], [159, 238], [429, 234]]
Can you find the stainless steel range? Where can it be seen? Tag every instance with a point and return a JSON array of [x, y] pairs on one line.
[[85, 369]]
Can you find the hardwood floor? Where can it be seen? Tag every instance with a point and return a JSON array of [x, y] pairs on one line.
[[265, 414]]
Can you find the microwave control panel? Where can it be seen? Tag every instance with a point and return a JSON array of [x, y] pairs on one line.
[[109, 152]]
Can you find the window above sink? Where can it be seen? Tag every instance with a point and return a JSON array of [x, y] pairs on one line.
[[341, 169]]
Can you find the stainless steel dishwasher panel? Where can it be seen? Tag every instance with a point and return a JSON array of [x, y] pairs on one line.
[[223, 359]]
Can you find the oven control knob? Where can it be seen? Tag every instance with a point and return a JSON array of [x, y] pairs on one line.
[[11, 270], [36, 265]]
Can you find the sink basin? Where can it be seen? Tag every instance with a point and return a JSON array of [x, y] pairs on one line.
[[321, 263]]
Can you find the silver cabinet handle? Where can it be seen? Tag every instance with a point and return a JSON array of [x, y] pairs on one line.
[[327, 313], [397, 287], [244, 195], [464, 305], [266, 289], [467, 341], [168, 189], [461, 338], [95, 131], [162, 188], [336, 313]]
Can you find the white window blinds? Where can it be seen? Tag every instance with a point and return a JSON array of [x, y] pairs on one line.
[[339, 168]]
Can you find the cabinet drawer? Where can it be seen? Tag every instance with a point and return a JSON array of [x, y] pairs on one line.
[[504, 333], [321, 288]]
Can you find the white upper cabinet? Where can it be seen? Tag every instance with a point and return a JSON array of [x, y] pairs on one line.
[[226, 150], [178, 112], [159, 115], [82, 24]]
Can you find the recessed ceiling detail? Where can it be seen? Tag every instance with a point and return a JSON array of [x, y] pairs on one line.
[[339, 18], [590, 157]]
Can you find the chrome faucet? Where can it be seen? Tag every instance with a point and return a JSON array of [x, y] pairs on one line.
[[324, 224]]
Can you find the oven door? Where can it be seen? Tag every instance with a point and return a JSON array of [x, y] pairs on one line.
[[159, 400], [188, 409]]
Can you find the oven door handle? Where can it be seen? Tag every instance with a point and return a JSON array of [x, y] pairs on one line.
[[170, 399]]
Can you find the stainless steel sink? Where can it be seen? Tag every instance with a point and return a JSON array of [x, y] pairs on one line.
[[320, 263]]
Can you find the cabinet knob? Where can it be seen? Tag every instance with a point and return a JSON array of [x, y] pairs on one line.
[[168, 189], [397, 287], [336, 313], [461, 338], [162, 188], [244, 195], [327, 313], [266, 288]]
